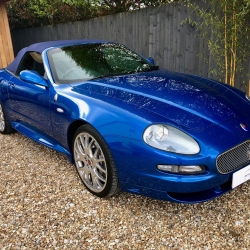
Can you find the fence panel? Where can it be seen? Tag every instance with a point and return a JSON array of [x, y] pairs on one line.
[[157, 32]]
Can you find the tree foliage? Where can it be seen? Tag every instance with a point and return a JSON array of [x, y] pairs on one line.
[[227, 26], [24, 13], [115, 6], [30, 13]]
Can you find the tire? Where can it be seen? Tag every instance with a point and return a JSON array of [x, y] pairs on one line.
[[94, 163], [5, 127]]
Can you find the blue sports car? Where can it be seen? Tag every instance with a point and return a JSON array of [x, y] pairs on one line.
[[125, 123]]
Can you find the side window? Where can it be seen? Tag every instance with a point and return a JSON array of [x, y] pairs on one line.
[[31, 61]]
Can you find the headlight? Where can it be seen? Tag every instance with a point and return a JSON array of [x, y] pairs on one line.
[[170, 139]]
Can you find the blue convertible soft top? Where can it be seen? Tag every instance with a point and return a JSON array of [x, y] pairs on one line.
[[40, 47]]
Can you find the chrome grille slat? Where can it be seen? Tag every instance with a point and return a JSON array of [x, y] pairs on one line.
[[233, 159]]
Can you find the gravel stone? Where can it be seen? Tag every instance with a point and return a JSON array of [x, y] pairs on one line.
[[45, 206]]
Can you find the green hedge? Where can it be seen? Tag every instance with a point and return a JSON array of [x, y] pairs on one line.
[[24, 13], [32, 13]]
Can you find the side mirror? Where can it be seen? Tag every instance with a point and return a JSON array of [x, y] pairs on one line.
[[151, 60], [33, 77]]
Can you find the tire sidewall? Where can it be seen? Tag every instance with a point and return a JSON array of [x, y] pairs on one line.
[[111, 170]]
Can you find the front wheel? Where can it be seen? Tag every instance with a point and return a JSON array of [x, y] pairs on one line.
[[5, 127], [94, 162]]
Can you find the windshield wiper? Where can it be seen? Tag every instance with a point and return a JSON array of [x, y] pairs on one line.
[[152, 68], [113, 74]]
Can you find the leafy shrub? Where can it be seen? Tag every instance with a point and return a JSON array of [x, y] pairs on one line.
[[24, 13]]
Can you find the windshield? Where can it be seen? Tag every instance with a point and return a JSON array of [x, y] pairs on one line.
[[89, 61]]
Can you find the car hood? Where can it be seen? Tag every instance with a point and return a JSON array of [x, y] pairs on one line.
[[187, 100]]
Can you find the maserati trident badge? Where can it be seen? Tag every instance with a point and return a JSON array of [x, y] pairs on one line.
[[244, 127]]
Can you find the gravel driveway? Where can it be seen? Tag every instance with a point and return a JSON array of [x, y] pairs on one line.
[[45, 206]]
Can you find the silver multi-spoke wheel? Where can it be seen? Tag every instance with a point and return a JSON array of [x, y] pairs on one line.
[[2, 120], [5, 127], [94, 162], [90, 162]]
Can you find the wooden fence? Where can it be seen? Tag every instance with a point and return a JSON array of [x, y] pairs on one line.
[[157, 32], [6, 49]]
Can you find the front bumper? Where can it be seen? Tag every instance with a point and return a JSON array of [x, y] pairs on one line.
[[189, 198], [136, 165]]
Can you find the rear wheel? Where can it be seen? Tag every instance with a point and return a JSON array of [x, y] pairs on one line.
[[94, 162], [5, 127]]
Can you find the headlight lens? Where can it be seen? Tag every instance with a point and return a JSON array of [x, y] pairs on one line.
[[170, 139]]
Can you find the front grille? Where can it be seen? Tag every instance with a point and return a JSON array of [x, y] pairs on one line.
[[233, 158]]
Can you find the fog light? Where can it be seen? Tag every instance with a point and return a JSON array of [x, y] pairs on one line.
[[181, 169]]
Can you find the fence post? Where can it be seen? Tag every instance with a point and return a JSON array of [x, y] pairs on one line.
[[6, 48]]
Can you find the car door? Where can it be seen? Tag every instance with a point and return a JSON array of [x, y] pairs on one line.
[[30, 103]]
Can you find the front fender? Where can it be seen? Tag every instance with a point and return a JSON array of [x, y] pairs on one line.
[[107, 115]]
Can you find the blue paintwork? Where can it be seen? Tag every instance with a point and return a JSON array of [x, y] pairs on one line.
[[121, 108]]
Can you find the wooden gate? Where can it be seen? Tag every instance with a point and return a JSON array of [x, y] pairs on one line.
[[6, 48]]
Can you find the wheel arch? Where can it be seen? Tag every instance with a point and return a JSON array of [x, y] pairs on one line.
[[71, 132]]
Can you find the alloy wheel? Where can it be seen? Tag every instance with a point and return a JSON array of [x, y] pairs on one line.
[[2, 120], [90, 162]]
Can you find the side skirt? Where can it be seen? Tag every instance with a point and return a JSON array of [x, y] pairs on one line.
[[40, 138]]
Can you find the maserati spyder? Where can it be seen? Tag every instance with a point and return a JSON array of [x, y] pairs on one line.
[[127, 124]]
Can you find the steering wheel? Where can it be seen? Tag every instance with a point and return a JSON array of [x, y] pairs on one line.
[[68, 72]]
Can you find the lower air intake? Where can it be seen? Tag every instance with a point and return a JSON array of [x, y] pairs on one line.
[[234, 158]]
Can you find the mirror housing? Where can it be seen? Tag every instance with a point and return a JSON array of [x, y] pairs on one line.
[[32, 77], [151, 60]]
